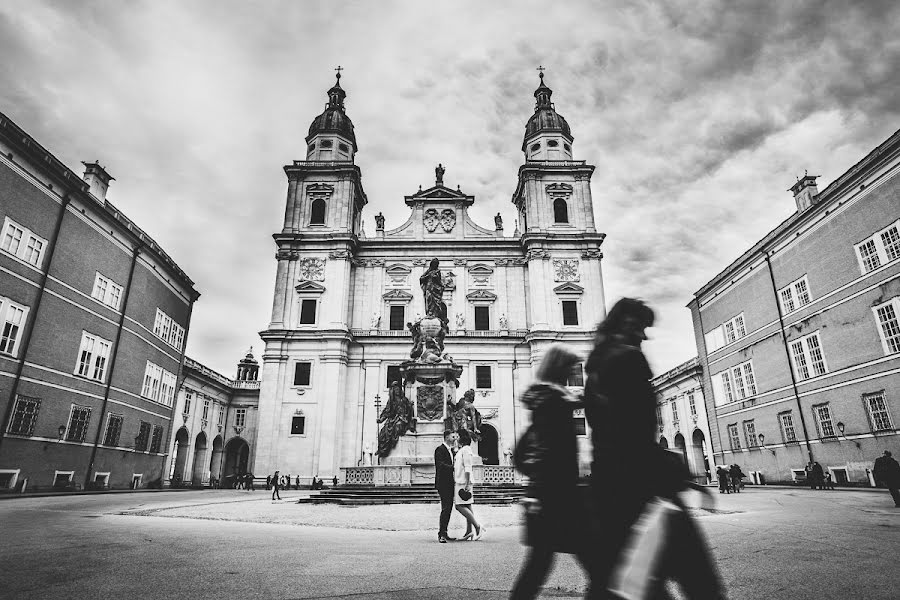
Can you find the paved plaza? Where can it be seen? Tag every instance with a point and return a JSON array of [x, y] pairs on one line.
[[769, 543]]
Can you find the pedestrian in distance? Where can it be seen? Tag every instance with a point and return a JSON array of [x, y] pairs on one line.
[[555, 518], [887, 473], [297, 484], [818, 475], [724, 480], [829, 482], [463, 498], [620, 406], [276, 481], [444, 482], [736, 476], [334, 481], [313, 485]]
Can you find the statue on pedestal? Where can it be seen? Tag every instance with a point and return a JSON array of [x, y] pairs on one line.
[[464, 415], [432, 282], [398, 418]]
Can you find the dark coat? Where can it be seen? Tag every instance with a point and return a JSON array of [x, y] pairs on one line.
[[887, 471], [443, 469], [553, 472]]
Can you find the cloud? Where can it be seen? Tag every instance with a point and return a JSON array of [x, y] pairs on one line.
[[697, 115]]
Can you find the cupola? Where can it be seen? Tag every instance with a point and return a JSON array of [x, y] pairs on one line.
[[248, 367], [547, 134], [331, 135]]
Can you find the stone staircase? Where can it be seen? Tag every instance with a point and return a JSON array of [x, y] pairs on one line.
[[356, 495]]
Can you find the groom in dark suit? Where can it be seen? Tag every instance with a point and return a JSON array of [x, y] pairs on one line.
[[443, 481]]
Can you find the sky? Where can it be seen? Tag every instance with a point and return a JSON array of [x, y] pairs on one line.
[[698, 115]]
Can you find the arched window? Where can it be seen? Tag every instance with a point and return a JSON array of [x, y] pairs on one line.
[[317, 215], [560, 211]]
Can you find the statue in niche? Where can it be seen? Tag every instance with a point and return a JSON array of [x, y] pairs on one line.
[[439, 174], [376, 320], [432, 282], [398, 418], [379, 221], [504, 322], [460, 321], [464, 415]]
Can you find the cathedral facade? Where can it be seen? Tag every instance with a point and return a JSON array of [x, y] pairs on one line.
[[343, 300]]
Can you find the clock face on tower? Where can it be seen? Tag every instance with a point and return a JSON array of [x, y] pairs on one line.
[[312, 269]]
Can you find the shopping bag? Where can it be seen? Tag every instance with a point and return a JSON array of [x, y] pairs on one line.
[[638, 572]]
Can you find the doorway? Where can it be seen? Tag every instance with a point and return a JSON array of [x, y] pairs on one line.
[[488, 446]]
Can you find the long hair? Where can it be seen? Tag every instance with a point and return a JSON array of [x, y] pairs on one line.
[[625, 308], [557, 364], [464, 438]]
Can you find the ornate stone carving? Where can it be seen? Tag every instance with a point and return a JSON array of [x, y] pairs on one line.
[[449, 281], [419, 262], [431, 219], [502, 262], [339, 254], [565, 269], [557, 190], [311, 269], [287, 255], [448, 220], [377, 262], [504, 322], [592, 255], [430, 402], [459, 262], [537, 254]]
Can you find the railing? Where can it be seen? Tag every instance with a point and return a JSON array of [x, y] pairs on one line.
[[322, 163], [246, 385], [554, 163], [483, 333], [359, 475], [495, 474]]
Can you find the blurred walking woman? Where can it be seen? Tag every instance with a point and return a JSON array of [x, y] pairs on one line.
[[555, 517], [463, 498]]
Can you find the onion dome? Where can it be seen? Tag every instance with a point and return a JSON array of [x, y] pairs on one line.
[[334, 120], [545, 117], [248, 359]]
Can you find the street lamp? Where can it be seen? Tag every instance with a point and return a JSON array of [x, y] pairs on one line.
[[762, 442], [840, 427]]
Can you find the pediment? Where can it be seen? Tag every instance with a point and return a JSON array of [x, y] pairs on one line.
[[309, 287], [480, 269], [398, 269], [320, 188], [398, 295], [562, 188], [481, 295], [440, 193], [568, 288]]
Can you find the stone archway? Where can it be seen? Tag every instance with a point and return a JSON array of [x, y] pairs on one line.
[[698, 454], [488, 446], [663, 442], [182, 441], [215, 461], [199, 459], [237, 457], [681, 446]]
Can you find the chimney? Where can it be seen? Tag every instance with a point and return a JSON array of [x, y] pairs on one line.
[[805, 191], [97, 177]]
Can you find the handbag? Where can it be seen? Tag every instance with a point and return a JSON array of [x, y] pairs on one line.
[[464, 494], [637, 574]]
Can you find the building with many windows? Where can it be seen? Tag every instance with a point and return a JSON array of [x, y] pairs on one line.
[[799, 338], [94, 318], [681, 416], [215, 425], [342, 300]]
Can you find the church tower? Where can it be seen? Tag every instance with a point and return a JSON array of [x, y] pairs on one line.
[[556, 221], [308, 336]]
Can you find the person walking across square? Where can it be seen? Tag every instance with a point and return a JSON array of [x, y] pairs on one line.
[[276, 483], [887, 473]]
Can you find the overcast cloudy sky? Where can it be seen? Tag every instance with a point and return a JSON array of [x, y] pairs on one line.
[[698, 115]]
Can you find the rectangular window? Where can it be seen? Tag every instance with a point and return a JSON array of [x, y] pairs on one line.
[[692, 405], [221, 416], [735, 383], [878, 411], [143, 437], [890, 240], [570, 312], [240, 417], [576, 376], [166, 329], [738, 380], [823, 420], [750, 433], [795, 295], [92, 356], [188, 396], [659, 420], [298, 425], [807, 357], [22, 243], [106, 291], [888, 325], [715, 339], [748, 378], [397, 317], [308, 311], [393, 374], [787, 427], [482, 318], [674, 411], [735, 436], [732, 330], [156, 442], [113, 430], [79, 419], [159, 385], [483, 377], [883, 247], [726, 387], [580, 426], [868, 254], [24, 415], [205, 415], [167, 388], [12, 316], [302, 373]]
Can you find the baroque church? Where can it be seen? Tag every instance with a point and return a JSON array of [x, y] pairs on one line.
[[342, 300]]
